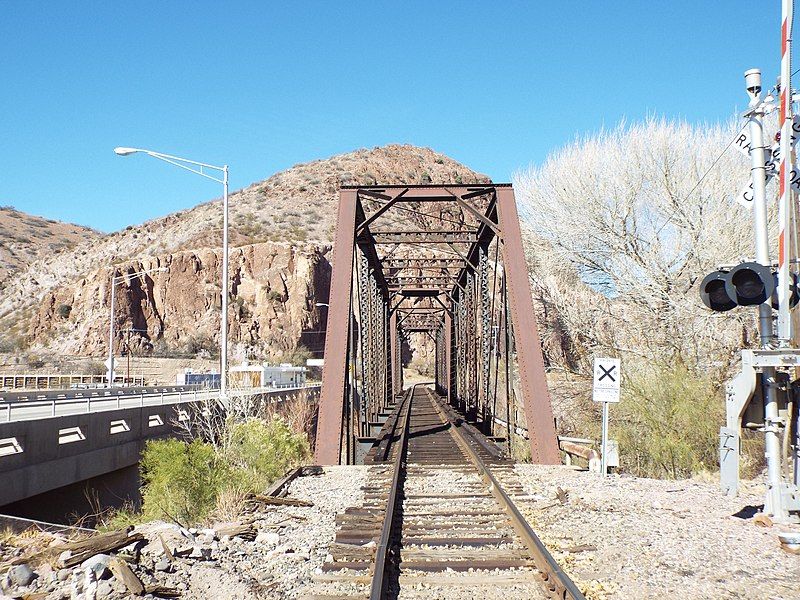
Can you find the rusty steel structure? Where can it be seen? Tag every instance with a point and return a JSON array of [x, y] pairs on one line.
[[436, 271]]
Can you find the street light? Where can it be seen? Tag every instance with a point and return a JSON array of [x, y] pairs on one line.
[[198, 168], [114, 280]]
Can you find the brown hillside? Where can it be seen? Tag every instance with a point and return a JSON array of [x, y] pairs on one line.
[[283, 227], [25, 238]]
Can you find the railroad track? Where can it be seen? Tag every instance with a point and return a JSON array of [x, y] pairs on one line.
[[438, 519]]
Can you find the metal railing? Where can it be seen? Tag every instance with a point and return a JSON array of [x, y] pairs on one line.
[[71, 404]]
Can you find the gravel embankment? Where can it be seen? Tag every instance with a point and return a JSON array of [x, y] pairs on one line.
[[286, 548], [619, 538], [626, 537]]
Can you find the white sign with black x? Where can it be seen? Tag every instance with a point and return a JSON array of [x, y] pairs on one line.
[[607, 376]]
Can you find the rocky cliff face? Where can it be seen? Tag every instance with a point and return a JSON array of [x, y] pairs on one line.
[[274, 288], [281, 230]]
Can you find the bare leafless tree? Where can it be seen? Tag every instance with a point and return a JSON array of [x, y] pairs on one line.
[[622, 227]]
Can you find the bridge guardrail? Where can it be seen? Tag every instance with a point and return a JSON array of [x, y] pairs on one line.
[[31, 395], [48, 408]]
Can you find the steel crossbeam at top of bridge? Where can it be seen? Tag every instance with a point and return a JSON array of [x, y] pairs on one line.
[[437, 270]]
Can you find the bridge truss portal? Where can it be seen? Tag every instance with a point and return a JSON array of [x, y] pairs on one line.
[[439, 271]]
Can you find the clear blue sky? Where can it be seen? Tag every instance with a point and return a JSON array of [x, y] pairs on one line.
[[263, 86]]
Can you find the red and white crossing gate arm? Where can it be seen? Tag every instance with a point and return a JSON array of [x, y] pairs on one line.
[[784, 202]]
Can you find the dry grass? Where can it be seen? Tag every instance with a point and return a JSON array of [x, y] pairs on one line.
[[230, 502]]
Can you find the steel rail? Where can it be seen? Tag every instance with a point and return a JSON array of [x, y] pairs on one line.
[[557, 583], [379, 579]]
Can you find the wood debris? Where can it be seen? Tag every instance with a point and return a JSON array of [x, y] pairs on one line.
[[275, 501], [126, 576]]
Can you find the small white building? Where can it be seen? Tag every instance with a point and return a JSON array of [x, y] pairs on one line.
[[266, 375]]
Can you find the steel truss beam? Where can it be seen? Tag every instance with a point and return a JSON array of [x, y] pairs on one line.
[[400, 283]]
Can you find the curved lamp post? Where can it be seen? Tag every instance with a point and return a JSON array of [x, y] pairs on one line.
[[200, 169]]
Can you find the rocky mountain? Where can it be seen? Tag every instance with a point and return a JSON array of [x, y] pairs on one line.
[[281, 230], [25, 238]]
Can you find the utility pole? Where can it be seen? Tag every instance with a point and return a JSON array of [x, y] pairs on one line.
[[114, 280], [110, 363], [773, 504]]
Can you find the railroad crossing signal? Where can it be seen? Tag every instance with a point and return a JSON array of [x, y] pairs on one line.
[[773, 160], [747, 284], [605, 389]]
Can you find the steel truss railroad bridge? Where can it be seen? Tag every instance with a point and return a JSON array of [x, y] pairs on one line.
[[442, 268]]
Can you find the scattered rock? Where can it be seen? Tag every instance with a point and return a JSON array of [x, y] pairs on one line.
[[762, 520], [104, 590], [162, 565], [200, 553], [21, 575], [98, 564], [268, 537]]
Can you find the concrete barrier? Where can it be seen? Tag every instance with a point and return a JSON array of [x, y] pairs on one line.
[[41, 455], [51, 453]]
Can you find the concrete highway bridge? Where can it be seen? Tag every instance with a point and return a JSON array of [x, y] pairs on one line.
[[59, 438]]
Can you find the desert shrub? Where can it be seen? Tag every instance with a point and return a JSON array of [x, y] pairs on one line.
[[12, 342], [667, 423], [295, 356], [423, 366], [200, 343], [298, 233], [180, 480], [96, 368], [185, 481], [34, 361], [63, 310], [258, 452], [115, 519]]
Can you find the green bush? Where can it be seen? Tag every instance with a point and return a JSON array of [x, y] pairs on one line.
[[259, 452], [64, 310], [668, 423], [180, 481], [183, 481]]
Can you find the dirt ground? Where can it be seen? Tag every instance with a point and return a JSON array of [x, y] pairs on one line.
[[628, 537]]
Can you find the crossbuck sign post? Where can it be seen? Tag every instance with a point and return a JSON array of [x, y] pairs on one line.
[[605, 389]]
